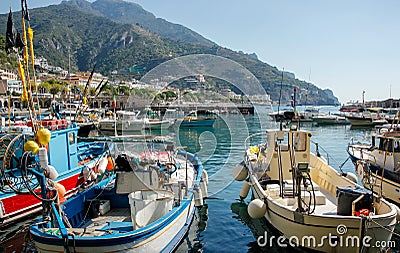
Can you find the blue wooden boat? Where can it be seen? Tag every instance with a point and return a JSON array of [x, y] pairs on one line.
[[147, 206], [198, 118], [69, 157]]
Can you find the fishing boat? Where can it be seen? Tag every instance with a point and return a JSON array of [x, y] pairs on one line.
[[306, 200], [198, 118], [69, 164], [125, 122], [156, 124], [330, 119], [69, 161], [285, 115], [147, 206], [369, 118], [378, 163]]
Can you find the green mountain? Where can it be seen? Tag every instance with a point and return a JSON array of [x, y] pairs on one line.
[[77, 30], [132, 13]]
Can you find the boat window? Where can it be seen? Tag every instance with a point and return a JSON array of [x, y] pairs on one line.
[[300, 141], [71, 138], [283, 140], [397, 146], [386, 144]]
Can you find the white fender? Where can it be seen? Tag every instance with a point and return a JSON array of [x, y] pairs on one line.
[[43, 158], [203, 188], [204, 176], [245, 190], [240, 172], [52, 172], [257, 208], [102, 165], [198, 198]]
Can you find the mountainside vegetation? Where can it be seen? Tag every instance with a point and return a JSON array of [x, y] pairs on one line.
[[81, 34]]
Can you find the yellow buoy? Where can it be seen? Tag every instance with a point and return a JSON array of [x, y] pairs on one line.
[[257, 208], [43, 136], [32, 146]]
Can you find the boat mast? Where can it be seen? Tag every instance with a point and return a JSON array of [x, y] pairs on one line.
[[280, 96]]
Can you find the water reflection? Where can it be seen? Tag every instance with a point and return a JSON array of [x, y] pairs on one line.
[[259, 228], [194, 241]]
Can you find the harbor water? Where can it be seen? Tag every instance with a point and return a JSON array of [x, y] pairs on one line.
[[223, 225]]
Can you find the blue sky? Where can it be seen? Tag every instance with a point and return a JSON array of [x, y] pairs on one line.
[[347, 46]]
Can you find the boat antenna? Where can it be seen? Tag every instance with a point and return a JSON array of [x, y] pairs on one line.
[[308, 87], [280, 96]]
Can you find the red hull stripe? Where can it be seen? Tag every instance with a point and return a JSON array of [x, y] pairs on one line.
[[18, 202]]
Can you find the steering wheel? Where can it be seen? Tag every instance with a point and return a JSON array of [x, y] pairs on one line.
[[167, 165]]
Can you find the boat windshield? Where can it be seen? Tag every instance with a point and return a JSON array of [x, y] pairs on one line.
[[138, 145], [259, 150]]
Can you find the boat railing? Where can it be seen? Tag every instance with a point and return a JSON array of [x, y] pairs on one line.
[[247, 141], [327, 155]]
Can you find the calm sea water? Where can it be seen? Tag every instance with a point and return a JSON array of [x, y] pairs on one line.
[[224, 225]]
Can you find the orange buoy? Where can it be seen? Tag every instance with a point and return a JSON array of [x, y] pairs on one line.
[[61, 192], [110, 164]]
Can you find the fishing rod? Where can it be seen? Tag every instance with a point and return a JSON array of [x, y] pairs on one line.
[[79, 110]]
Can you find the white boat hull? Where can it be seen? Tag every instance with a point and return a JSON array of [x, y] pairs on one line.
[[318, 209], [311, 231], [165, 240], [122, 127]]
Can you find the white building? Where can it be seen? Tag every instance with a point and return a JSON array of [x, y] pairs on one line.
[[8, 75]]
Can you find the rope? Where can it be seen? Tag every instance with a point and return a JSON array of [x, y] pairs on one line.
[[376, 223]]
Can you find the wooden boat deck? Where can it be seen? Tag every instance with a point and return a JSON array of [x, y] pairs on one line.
[[325, 203], [114, 215]]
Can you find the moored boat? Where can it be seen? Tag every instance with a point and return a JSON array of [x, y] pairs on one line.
[[286, 115], [198, 118], [330, 119], [378, 163], [65, 154], [370, 118], [125, 122], [147, 206], [307, 200], [363, 121], [52, 144]]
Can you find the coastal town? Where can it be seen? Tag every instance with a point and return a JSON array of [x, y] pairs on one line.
[[124, 132]]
